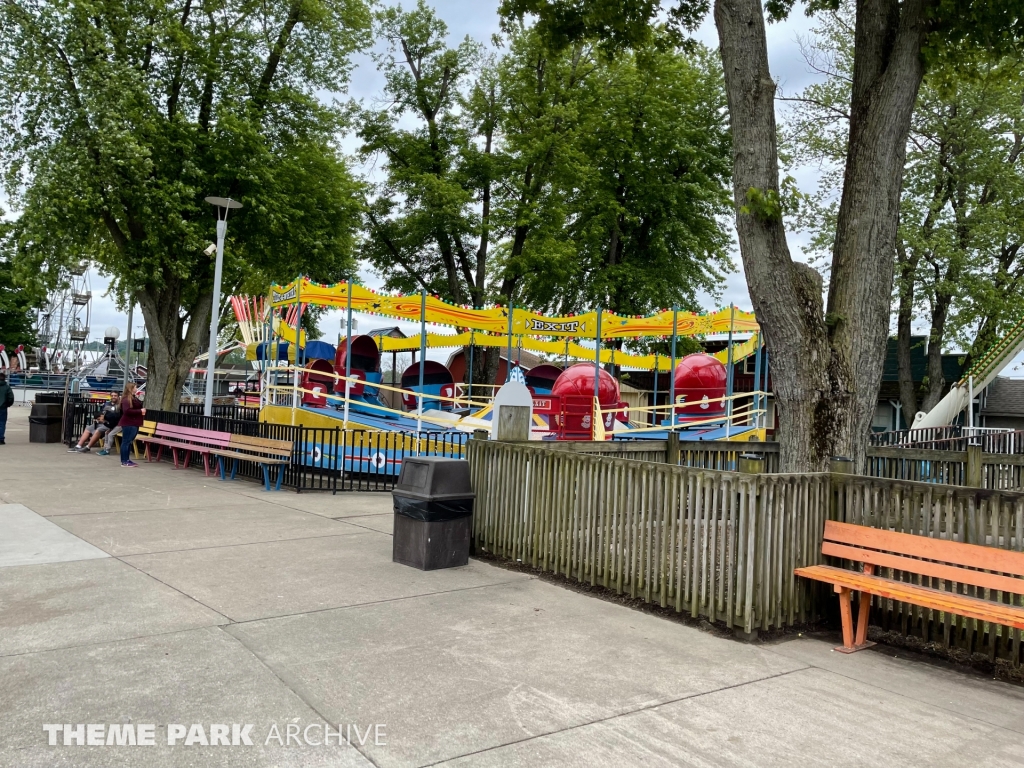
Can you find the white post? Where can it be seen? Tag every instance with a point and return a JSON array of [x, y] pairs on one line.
[[223, 205], [222, 228], [970, 402]]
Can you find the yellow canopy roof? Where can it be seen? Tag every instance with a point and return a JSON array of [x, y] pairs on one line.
[[496, 319]]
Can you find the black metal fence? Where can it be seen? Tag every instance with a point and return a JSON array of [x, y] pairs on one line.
[[323, 459]]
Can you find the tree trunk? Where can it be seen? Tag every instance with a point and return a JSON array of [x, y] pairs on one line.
[[826, 366], [171, 353]]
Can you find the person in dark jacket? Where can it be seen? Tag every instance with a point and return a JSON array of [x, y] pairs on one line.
[[132, 416], [6, 401]]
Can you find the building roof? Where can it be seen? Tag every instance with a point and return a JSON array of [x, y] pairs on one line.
[[951, 366], [525, 358], [1004, 397], [394, 332]]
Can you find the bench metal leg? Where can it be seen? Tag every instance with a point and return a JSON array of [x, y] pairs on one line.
[[174, 455], [234, 467], [266, 476], [220, 467], [280, 476], [206, 464]]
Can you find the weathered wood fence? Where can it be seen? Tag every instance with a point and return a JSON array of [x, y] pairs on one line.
[[723, 545], [716, 544], [971, 467]]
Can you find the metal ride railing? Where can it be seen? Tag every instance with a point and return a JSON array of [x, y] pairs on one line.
[[952, 438], [743, 416], [291, 374], [323, 458]]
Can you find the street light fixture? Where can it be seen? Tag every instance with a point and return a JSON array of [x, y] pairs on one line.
[[224, 204]]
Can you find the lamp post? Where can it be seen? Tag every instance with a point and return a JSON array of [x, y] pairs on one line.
[[224, 204]]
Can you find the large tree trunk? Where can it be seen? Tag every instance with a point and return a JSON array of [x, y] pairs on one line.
[[827, 366], [171, 352]]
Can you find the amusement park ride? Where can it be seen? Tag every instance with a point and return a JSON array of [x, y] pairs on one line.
[[320, 386], [62, 334]]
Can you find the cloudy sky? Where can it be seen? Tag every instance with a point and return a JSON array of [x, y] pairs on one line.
[[478, 19]]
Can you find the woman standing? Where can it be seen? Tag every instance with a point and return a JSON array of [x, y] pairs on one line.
[[132, 414]]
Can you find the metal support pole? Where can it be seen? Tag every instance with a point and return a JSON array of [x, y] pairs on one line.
[[970, 402], [128, 342], [729, 373], [764, 388], [298, 330], [508, 354], [348, 350], [654, 401], [211, 362], [423, 356], [757, 380], [672, 372], [472, 338], [597, 355]]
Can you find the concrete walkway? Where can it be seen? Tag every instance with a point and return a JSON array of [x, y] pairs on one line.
[[151, 596]]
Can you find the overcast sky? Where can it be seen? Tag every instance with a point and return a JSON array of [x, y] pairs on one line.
[[478, 19]]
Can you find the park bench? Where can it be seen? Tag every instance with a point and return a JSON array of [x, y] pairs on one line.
[[222, 446], [948, 561]]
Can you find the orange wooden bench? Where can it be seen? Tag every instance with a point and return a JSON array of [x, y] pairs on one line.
[[949, 561]]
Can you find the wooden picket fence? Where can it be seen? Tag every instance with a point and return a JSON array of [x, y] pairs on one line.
[[970, 467], [723, 545], [716, 544]]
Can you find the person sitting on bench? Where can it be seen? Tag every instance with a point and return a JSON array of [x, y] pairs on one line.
[[104, 423]]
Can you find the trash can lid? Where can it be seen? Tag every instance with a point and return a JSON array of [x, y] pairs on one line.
[[434, 477]]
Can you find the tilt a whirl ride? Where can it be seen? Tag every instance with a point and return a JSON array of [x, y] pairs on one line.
[[322, 387]]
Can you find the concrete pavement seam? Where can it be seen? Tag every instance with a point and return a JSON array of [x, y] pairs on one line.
[[645, 708], [184, 594], [380, 602], [237, 544], [293, 687], [109, 642], [897, 693]]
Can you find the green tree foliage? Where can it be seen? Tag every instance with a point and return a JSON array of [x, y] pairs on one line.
[[559, 179], [959, 265], [828, 354], [424, 230], [19, 297], [120, 116], [645, 204]]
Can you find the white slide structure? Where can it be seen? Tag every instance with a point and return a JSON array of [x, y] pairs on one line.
[[974, 379]]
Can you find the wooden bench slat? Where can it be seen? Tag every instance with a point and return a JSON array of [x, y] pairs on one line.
[[248, 456], [925, 567], [265, 452], [926, 597], [262, 442], [953, 552]]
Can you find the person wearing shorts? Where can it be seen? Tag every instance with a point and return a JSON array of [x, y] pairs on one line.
[[106, 421]]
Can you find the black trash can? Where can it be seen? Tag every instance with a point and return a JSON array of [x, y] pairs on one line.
[[44, 423], [433, 503]]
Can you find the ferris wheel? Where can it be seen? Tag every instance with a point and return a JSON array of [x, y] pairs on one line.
[[62, 326]]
